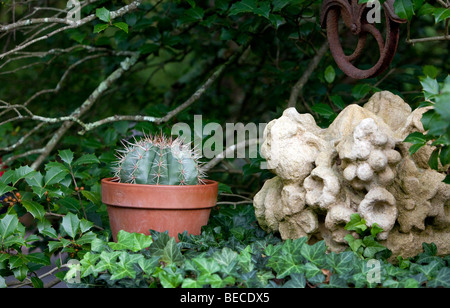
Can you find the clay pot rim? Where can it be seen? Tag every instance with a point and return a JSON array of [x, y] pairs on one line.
[[159, 196], [109, 181]]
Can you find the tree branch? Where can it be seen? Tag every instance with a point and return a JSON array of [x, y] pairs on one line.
[[298, 87], [114, 14], [125, 65], [228, 152], [192, 99]]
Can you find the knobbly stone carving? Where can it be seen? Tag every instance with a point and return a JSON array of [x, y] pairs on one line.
[[359, 164]]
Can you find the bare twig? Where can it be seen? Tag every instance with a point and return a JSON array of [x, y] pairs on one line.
[[228, 151], [192, 99], [298, 87], [88, 103], [113, 15]]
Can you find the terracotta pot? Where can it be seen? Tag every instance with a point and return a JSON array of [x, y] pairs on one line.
[[173, 208]]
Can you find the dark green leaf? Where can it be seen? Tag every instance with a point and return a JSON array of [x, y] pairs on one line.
[[329, 74], [314, 253], [55, 175], [71, 224], [244, 6], [5, 188], [8, 225], [441, 14], [34, 208], [192, 15], [86, 160], [296, 281], [433, 161], [103, 14], [100, 27], [324, 110], [122, 26], [442, 279], [404, 9], [278, 5], [66, 156]]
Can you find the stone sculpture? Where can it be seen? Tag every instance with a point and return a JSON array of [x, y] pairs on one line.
[[359, 164]]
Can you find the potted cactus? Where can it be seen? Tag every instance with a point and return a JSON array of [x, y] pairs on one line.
[[158, 185]]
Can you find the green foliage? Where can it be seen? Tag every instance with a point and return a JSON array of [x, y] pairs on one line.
[[233, 252], [64, 214], [436, 122], [180, 44], [365, 245]]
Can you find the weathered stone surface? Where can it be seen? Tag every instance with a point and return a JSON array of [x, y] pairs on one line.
[[359, 164]]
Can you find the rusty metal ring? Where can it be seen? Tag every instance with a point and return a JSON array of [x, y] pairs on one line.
[[354, 18]]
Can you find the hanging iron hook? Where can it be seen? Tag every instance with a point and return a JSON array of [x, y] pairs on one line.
[[355, 18]]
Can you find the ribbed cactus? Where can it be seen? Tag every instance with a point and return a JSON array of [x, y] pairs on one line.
[[160, 161]]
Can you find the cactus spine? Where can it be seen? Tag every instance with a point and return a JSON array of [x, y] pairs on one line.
[[158, 161]]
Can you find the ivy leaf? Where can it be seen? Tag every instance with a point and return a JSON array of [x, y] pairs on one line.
[[442, 279], [125, 267], [296, 281], [375, 229], [404, 9], [131, 241], [372, 246], [342, 263], [314, 253], [167, 249], [122, 26], [206, 266], [149, 265], [356, 224], [169, 278], [103, 14], [88, 265], [226, 259]]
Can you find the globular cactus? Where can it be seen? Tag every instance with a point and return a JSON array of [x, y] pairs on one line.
[[159, 161]]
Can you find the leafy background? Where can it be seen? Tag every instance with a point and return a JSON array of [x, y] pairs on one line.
[[180, 45]]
